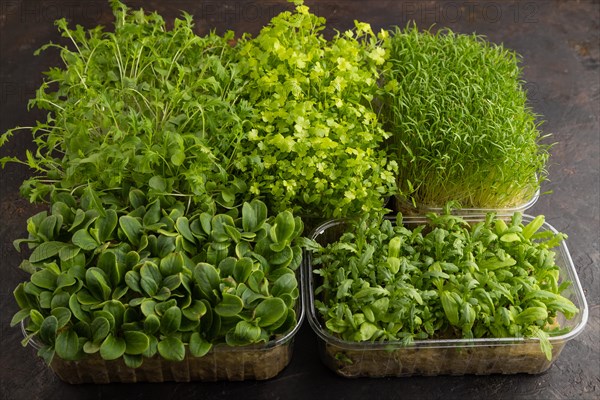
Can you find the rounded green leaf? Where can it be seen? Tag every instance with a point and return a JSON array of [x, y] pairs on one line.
[[195, 310], [244, 333], [226, 266], [152, 348], [100, 328], [243, 269], [67, 345], [63, 316], [135, 342], [269, 311], [45, 278], [116, 309], [283, 227], [198, 346], [182, 224], [152, 215], [84, 240], [133, 361], [281, 256], [107, 262], [230, 305], [132, 279], [132, 228], [62, 209], [172, 349], [112, 347], [171, 320], [151, 324], [284, 284], [158, 183], [171, 264], [256, 281], [261, 212], [249, 218], [48, 330], [450, 306], [37, 319], [137, 198], [91, 347], [68, 251], [172, 282], [207, 278], [106, 225], [151, 278], [45, 251], [97, 283], [65, 280]]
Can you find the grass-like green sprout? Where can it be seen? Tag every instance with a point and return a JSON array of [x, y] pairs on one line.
[[461, 126]]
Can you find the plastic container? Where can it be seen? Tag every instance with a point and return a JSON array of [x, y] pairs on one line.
[[407, 208], [441, 357], [222, 362]]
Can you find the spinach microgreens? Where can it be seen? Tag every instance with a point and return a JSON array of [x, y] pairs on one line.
[[462, 129], [153, 280], [443, 279], [315, 142]]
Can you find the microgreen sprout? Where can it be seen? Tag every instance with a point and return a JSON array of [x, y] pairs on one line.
[[441, 279], [462, 129]]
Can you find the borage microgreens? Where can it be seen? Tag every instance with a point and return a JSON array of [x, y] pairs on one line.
[[445, 279]]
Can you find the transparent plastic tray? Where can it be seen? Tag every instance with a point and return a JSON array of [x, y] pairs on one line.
[[440, 357], [408, 208], [222, 362]]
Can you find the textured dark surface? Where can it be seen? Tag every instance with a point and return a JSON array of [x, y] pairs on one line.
[[559, 42]]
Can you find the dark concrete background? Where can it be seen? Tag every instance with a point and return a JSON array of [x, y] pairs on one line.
[[560, 45]]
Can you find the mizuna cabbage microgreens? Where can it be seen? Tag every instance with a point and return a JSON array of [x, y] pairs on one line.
[[143, 106], [444, 279], [461, 126]]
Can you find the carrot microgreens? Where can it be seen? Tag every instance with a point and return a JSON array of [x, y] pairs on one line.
[[442, 279], [462, 130]]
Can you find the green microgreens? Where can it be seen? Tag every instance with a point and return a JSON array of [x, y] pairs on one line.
[[146, 277], [137, 104], [443, 279], [461, 127], [314, 140]]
